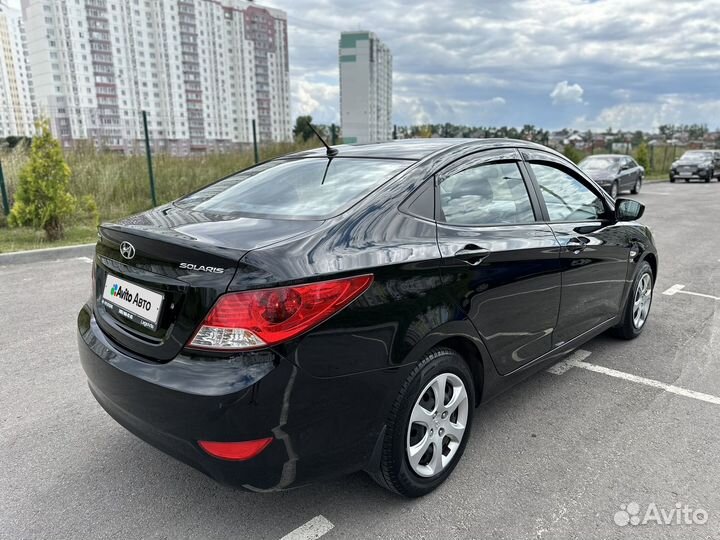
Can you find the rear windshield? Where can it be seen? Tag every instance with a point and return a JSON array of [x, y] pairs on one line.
[[309, 188]]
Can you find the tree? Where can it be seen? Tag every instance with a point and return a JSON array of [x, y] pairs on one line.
[[637, 138], [572, 153], [302, 128], [642, 156], [425, 131], [42, 199]]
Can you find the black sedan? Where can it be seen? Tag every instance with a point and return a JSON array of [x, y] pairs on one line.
[[696, 165], [324, 313], [614, 172]]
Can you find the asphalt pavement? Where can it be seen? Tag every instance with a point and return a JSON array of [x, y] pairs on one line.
[[621, 442]]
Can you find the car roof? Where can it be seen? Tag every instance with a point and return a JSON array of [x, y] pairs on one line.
[[607, 156], [414, 149]]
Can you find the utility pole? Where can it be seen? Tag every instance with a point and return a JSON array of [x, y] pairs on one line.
[[3, 192], [255, 143], [148, 153]]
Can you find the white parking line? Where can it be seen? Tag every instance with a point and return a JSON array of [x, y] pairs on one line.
[[678, 289], [84, 259], [562, 367], [315, 528], [575, 361]]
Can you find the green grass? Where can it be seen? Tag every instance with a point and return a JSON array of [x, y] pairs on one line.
[[121, 186], [24, 238]]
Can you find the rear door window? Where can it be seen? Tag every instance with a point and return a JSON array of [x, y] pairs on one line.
[[308, 188]]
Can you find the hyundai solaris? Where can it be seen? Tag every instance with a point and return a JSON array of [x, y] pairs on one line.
[[329, 312]]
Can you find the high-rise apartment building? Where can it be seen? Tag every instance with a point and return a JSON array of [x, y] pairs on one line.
[[16, 100], [203, 70], [365, 88]]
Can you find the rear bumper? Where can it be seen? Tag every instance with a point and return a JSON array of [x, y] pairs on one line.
[[320, 427]]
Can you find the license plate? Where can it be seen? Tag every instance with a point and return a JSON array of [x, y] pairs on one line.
[[131, 301]]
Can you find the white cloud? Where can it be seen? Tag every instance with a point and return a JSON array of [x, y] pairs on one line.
[[606, 54], [566, 93], [440, 110], [320, 100], [666, 109]]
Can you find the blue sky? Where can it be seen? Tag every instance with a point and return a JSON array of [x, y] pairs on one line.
[[625, 64]]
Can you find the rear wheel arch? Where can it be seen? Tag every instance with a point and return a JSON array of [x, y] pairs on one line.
[[469, 352]]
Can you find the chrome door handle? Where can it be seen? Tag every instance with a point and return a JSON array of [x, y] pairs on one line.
[[472, 254], [576, 245]]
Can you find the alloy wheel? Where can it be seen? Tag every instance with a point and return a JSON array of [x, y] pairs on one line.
[[642, 300], [437, 425]]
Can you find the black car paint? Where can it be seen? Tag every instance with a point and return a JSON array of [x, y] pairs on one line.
[[324, 396]]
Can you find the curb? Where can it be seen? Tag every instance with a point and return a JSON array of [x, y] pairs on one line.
[[47, 254]]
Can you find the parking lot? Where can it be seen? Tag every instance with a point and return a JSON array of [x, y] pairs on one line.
[[570, 453]]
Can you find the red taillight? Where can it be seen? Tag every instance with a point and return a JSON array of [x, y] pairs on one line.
[[252, 319], [235, 451]]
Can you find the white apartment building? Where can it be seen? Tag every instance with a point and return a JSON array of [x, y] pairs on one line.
[[16, 100], [203, 70], [365, 88]]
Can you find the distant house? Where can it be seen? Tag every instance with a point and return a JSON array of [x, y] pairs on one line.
[[621, 147]]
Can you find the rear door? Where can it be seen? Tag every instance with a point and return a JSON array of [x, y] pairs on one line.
[[500, 264], [595, 250], [632, 173]]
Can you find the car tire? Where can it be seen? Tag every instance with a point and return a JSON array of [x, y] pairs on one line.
[[614, 190], [637, 187], [427, 471], [672, 180], [637, 306], [710, 175]]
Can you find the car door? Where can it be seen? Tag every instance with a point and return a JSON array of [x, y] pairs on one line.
[[500, 265], [627, 174], [595, 250], [632, 173]]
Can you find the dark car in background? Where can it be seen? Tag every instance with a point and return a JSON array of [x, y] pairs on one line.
[[320, 314], [614, 172], [696, 165]]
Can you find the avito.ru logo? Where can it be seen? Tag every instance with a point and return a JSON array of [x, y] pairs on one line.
[[632, 514], [118, 292]]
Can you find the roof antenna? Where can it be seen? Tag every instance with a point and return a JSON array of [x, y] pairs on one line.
[[331, 152]]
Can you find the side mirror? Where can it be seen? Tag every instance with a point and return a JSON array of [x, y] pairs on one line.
[[628, 210]]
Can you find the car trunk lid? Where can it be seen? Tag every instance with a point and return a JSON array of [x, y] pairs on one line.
[[160, 272]]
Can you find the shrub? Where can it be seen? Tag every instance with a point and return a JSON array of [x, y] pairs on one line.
[[572, 153], [643, 157], [42, 199], [88, 213]]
